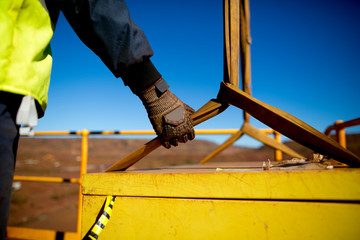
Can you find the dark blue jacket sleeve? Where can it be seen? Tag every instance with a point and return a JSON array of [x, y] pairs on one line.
[[106, 27]]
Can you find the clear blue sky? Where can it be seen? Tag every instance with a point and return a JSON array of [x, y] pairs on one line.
[[305, 61]]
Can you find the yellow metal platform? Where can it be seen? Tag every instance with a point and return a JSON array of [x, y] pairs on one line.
[[230, 202]]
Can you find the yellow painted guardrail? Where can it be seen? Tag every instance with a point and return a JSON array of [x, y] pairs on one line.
[[28, 233], [339, 128]]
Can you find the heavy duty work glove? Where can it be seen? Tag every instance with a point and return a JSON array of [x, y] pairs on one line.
[[169, 116]]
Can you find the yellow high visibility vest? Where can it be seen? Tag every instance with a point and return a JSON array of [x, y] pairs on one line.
[[25, 54]]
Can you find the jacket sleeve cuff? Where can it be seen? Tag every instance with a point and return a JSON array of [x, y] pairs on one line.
[[140, 76]]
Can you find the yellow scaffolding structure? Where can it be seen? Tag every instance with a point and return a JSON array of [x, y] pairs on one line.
[[237, 42]]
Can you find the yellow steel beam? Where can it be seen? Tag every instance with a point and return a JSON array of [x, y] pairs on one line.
[[245, 42], [142, 132], [46, 179], [45, 133], [258, 135], [166, 218], [36, 234], [335, 184], [340, 134], [288, 125], [83, 170], [292, 204], [278, 153], [341, 125]]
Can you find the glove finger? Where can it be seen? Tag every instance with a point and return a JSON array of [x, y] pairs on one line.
[[191, 134], [189, 109], [184, 138], [174, 142], [166, 144]]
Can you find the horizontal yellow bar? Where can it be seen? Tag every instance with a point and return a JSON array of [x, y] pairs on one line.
[[226, 131], [45, 179], [341, 125], [130, 132], [143, 132], [31, 233], [40, 133], [335, 184]]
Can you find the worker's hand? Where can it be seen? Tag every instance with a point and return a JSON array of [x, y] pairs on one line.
[[169, 116]]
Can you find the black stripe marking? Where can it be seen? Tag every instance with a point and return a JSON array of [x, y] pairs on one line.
[[106, 215], [67, 180], [59, 236], [94, 235], [96, 132], [73, 132], [100, 225]]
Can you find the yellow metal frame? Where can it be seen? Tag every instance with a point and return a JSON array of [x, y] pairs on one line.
[[28, 233], [238, 203], [237, 41]]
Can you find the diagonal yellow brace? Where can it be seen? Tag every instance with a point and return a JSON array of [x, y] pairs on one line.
[[264, 138], [209, 110], [233, 138], [256, 134], [287, 124]]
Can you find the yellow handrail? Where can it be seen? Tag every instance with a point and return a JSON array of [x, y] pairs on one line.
[[46, 179], [339, 127], [140, 132]]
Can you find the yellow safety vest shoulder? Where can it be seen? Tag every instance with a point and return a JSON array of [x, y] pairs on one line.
[[25, 55]]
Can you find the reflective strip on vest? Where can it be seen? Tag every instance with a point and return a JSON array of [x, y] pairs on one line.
[[25, 54]]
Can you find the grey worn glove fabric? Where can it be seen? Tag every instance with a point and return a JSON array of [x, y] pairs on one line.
[[169, 116]]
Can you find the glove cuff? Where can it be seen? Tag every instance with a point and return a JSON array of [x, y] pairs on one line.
[[158, 98], [140, 76]]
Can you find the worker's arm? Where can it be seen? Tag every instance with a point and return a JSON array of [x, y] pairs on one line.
[[107, 29]]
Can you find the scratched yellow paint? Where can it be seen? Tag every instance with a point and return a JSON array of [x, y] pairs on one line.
[[321, 204], [336, 184]]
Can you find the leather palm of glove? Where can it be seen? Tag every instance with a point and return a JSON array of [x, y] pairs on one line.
[[169, 116]]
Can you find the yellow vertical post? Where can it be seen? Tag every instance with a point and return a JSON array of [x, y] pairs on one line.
[[83, 170], [245, 42], [340, 134], [234, 41], [278, 153]]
